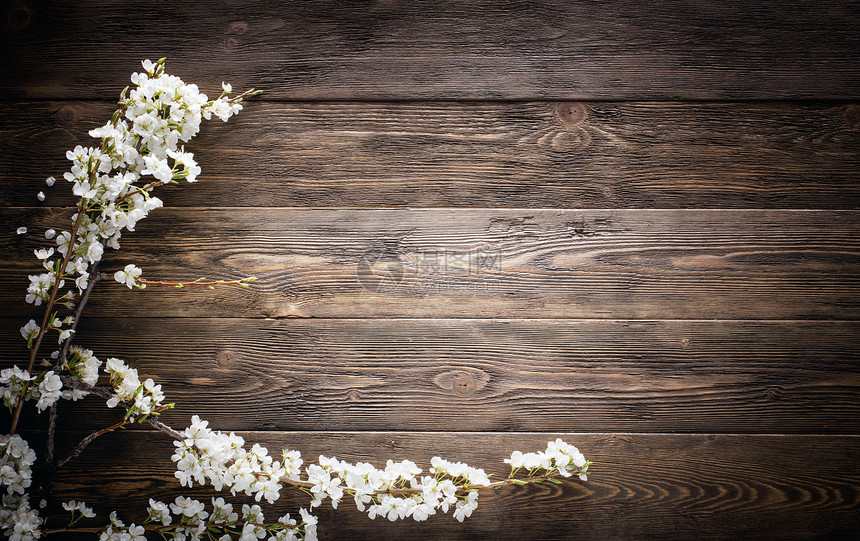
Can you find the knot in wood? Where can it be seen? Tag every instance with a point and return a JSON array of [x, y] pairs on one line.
[[852, 116], [66, 114], [19, 18], [226, 359], [774, 393], [237, 27], [462, 382], [571, 114]]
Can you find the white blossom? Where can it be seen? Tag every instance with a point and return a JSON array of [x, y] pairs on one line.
[[64, 335], [13, 382], [40, 287], [128, 275], [143, 398], [50, 390], [82, 507], [159, 512], [18, 520], [30, 330]]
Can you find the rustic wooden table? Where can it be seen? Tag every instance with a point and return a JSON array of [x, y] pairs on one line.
[[478, 226]]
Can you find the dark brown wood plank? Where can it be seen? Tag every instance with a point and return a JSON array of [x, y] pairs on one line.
[[645, 486], [537, 155], [623, 49], [510, 375], [616, 264]]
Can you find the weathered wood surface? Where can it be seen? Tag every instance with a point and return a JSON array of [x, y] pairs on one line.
[[622, 264], [732, 311], [644, 486], [538, 155], [619, 49], [492, 375]]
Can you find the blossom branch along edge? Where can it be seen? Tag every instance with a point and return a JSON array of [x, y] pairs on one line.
[[141, 150]]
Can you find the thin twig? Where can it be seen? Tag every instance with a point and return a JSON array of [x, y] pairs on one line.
[[89, 439], [52, 410], [197, 283], [95, 276], [105, 392], [44, 327]]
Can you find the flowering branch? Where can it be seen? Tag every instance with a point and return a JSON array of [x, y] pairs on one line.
[[57, 284], [143, 139]]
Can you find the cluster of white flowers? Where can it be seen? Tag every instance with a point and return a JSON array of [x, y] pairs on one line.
[[78, 510], [118, 531], [143, 399], [31, 329], [221, 459], [396, 492], [47, 387], [15, 383], [16, 461], [187, 519], [50, 390], [84, 366], [559, 457], [72, 506], [17, 519], [142, 139]]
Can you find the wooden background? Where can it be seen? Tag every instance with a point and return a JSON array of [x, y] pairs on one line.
[[668, 192]]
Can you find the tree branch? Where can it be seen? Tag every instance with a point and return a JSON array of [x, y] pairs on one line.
[[61, 359]]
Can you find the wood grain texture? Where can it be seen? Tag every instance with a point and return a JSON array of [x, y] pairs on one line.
[[643, 486], [460, 50], [538, 155], [617, 264], [488, 375], [475, 224]]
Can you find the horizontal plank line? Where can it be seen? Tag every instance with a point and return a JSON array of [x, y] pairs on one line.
[[533, 155], [454, 318], [521, 433], [470, 100], [466, 319], [472, 209]]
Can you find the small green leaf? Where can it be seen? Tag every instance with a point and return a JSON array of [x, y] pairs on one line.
[[554, 480]]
